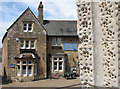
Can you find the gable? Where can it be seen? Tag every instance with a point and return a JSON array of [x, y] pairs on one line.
[[26, 16]]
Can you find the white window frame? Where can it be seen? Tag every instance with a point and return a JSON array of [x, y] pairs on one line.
[[18, 71], [32, 44], [27, 44], [24, 27], [28, 73], [57, 70], [27, 27], [30, 64], [26, 68]]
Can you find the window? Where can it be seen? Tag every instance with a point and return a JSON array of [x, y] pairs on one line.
[[24, 70], [24, 62], [32, 44], [56, 41], [21, 44], [27, 44], [27, 67], [58, 64], [27, 27], [55, 66], [30, 27], [18, 68], [30, 70], [59, 41], [29, 62], [24, 27]]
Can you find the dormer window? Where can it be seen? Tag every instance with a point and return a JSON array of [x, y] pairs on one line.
[[27, 27]]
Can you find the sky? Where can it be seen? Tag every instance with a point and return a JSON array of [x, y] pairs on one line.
[[10, 10]]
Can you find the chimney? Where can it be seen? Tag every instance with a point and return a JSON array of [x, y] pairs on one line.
[[40, 13]]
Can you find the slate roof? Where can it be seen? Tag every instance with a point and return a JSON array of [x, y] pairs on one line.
[[60, 27]]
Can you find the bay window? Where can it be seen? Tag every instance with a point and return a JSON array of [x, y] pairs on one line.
[[27, 68]]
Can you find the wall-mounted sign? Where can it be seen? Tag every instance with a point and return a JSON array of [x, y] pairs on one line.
[[12, 65], [71, 46]]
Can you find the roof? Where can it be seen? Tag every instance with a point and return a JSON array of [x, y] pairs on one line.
[[26, 56], [60, 27]]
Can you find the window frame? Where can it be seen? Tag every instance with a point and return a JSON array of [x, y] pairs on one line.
[[56, 41], [58, 61], [28, 26], [22, 44], [32, 44], [24, 27], [27, 44], [18, 64], [59, 42]]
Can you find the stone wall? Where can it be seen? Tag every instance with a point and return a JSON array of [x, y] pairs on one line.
[[71, 57], [102, 22]]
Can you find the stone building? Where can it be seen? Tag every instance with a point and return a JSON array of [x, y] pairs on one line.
[[34, 48], [99, 36]]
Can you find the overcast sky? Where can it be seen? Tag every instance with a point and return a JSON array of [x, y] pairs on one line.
[[10, 10]]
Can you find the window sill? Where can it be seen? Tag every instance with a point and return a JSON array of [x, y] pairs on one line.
[[57, 46]]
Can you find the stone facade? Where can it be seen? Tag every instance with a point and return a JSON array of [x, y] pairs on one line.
[[98, 51]]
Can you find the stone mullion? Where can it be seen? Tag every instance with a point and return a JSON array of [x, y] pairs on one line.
[[33, 65], [20, 68]]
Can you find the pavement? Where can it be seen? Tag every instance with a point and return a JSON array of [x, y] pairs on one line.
[[46, 83], [42, 83]]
